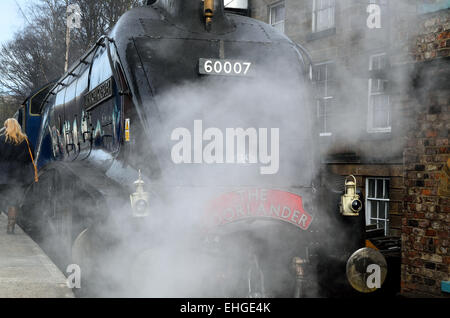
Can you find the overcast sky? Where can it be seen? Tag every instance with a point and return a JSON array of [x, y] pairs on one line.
[[11, 19]]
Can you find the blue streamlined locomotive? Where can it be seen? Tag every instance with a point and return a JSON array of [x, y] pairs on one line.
[[142, 104]]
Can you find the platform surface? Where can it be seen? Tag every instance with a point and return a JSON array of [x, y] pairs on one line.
[[25, 270]]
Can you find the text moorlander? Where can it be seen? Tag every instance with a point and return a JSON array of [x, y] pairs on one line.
[[227, 308]]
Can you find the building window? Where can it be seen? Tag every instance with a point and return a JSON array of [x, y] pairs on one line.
[[236, 4], [323, 82], [377, 203], [323, 15], [379, 115], [277, 15]]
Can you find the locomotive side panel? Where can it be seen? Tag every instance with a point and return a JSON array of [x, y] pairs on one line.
[[84, 113]]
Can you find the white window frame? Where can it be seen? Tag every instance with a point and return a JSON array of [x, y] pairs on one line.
[[331, 16], [236, 4], [326, 97], [369, 199], [281, 22], [371, 94]]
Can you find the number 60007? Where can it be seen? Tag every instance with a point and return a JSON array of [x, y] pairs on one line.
[[222, 67]]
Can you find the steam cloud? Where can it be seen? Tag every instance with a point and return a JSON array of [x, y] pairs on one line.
[[172, 253]]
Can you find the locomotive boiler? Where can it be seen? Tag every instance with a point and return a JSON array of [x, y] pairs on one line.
[[208, 111]]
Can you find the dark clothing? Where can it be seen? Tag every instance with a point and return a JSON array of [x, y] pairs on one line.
[[10, 195], [16, 167]]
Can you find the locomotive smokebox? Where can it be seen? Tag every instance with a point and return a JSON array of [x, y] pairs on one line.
[[196, 15]]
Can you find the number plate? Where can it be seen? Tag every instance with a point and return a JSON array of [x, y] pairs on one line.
[[224, 67]]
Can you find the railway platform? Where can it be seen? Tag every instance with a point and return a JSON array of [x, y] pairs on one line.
[[25, 270]]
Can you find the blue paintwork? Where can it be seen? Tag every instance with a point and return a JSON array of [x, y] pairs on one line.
[[445, 286]]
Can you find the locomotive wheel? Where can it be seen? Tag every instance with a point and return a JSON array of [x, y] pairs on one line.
[[49, 216], [56, 226]]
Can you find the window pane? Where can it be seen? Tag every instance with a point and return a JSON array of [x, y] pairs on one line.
[[281, 14], [382, 62], [331, 17], [373, 209], [379, 62], [82, 83], [321, 72], [321, 89], [381, 111], [277, 14], [382, 210], [387, 185], [371, 190], [375, 88], [319, 4], [37, 100], [380, 189], [331, 71], [323, 112], [378, 209], [60, 98], [321, 20], [101, 69], [378, 86], [375, 63], [324, 14], [383, 86]]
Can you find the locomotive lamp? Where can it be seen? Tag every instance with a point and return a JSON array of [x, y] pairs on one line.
[[350, 205], [208, 11], [139, 199]]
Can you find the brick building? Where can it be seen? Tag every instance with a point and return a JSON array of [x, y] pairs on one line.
[[381, 97], [426, 214]]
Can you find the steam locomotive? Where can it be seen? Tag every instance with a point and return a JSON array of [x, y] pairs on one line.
[[115, 118]]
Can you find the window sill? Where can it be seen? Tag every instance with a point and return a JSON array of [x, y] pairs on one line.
[[380, 131], [377, 135], [321, 34]]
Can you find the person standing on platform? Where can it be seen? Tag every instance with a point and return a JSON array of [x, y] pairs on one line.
[[16, 168]]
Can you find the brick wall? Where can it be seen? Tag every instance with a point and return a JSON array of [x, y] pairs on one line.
[[426, 211], [434, 39]]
